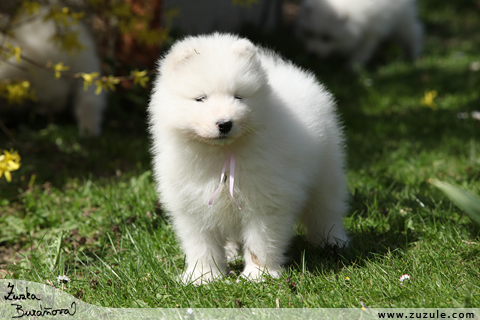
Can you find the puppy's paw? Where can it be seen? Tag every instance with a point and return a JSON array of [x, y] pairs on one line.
[[254, 273], [196, 277]]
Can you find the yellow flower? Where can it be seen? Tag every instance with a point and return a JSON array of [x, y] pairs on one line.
[[347, 278], [59, 67], [428, 98], [17, 51], [14, 51], [106, 83], [17, 92], [140, 77], [88, 79], [9, 161]]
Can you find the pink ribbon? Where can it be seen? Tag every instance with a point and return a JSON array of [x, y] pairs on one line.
[[231, 159]]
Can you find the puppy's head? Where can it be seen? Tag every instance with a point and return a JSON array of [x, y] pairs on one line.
[[210, 88], [325, 30]]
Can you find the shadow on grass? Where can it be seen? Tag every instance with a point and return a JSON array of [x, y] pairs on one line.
[[52, 151], [363, 247]]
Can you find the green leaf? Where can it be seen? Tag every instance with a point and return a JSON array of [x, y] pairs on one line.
[[467, 201]]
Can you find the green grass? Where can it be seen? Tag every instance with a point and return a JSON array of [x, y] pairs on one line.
[[92, 212]]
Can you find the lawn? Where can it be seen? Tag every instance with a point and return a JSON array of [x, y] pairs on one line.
[[86, 208]]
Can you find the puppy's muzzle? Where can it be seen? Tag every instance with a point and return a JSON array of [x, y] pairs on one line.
[[224, 126]]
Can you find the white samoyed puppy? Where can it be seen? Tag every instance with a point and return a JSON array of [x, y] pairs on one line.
[[221, 100], [354, 28], [34, 36]]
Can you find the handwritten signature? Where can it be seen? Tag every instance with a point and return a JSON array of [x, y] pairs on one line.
[[41, 312], [44, 311]]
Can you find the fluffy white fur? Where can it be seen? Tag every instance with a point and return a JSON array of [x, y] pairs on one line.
[[354, 28], [34, 35], [288, 147]]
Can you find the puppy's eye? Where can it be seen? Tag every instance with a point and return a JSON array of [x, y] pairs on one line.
[[201, 98], [238, 97]]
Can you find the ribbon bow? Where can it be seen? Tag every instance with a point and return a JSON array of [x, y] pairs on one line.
[[230, 158]]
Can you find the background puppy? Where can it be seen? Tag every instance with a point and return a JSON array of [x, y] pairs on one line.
[[34, 36], [354, 28]]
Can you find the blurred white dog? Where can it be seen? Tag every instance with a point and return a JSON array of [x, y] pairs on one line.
[[34, 36], [354, 28], [220, 100]]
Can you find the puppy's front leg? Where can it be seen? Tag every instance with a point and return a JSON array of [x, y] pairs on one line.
[[205, 254], [266, 239]]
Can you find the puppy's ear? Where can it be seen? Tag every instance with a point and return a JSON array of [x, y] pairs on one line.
[[180, 54], [244, 48]]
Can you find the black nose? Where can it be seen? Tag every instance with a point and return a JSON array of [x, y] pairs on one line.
[[224, 126]]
